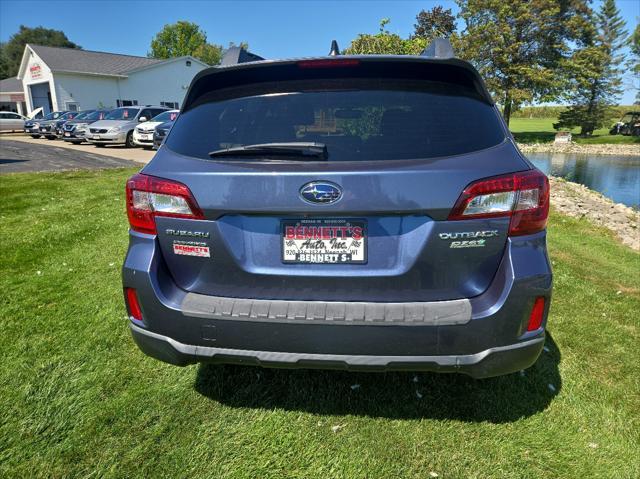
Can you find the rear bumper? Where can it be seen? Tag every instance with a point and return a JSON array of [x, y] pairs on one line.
[[490, 362], [481, 336]]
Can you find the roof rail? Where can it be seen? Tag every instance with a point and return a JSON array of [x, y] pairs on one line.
[[335, 51], [439, 48], [235, 55]]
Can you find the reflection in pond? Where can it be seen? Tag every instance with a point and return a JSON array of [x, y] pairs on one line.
[[617, 177]]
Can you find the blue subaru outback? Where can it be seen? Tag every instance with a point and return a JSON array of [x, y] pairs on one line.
[[350, 212]]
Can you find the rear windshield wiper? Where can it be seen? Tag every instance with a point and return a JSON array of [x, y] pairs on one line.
[[300, 149]]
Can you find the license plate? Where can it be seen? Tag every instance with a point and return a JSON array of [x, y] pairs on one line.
[[43, 129], [324, 241], [66, 133], [144, 137], [96, 137]]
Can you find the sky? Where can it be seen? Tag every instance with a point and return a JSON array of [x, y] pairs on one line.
[[273, 29]]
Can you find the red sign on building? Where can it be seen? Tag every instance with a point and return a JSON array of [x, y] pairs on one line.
[[35, 71]]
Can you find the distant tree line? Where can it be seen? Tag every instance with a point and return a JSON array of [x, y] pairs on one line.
[[549, 111]]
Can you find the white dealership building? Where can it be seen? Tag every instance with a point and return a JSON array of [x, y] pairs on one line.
[[70, 79]]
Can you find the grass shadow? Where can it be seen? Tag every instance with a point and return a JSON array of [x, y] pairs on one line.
[[396, 395]]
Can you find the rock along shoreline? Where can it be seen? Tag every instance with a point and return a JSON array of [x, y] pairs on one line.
[[578, 201], [579, 149]]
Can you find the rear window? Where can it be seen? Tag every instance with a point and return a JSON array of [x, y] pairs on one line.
[[358, 121]]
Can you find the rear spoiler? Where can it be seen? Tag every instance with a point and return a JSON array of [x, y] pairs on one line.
[[240, 67], [235, 55]]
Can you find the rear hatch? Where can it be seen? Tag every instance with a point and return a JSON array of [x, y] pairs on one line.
[[352, 204]]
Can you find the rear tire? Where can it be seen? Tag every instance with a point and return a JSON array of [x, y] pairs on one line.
[[49, 137], [99, 145], [35, 137], [75, 142], [129, 141]]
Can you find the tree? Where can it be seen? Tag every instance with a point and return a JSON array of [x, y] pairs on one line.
[[434, 23], [12, 51], [385, 42], [597, 77], [634, 62], [518, 47], [4, 63], [185, 38]]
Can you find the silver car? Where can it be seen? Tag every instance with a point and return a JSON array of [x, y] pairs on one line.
[[10, 121], [117, 127]]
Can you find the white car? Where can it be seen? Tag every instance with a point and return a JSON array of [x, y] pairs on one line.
[[143, 133], [10, 121]]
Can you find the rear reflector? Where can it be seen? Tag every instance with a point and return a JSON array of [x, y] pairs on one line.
[[149, 196], [132, 303], [537, 314], [333, 63], [524, 197]]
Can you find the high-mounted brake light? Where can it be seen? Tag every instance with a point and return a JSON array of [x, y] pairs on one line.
[[333, 63], [524, 197], [149, 196]]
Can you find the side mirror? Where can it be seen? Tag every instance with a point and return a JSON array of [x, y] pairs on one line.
[[142, 118]]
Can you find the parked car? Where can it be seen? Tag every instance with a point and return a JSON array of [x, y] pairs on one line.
[[10, 121], [58, 127], [32, 127], [48, 124], [143, 134], [74, 130], [160, 133], [117, 127], [337, 217]]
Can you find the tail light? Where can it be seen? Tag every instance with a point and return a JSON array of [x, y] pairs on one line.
[[537, 314], [149, 196], [524, 197], [132, 302]]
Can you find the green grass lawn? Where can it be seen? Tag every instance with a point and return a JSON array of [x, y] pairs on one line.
[[77, 398], [540, 130]]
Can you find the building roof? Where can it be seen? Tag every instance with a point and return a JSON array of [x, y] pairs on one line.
[[11, 85], [87, 61]]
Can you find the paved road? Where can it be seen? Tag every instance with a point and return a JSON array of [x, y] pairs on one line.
[[116, 151], [19, 156]]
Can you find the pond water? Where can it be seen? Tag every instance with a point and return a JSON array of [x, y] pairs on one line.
[[617, 177]]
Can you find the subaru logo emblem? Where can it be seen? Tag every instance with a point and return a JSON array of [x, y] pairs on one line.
[[320, 192]]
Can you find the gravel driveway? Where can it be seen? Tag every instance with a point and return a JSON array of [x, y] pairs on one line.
[[18, 156]]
